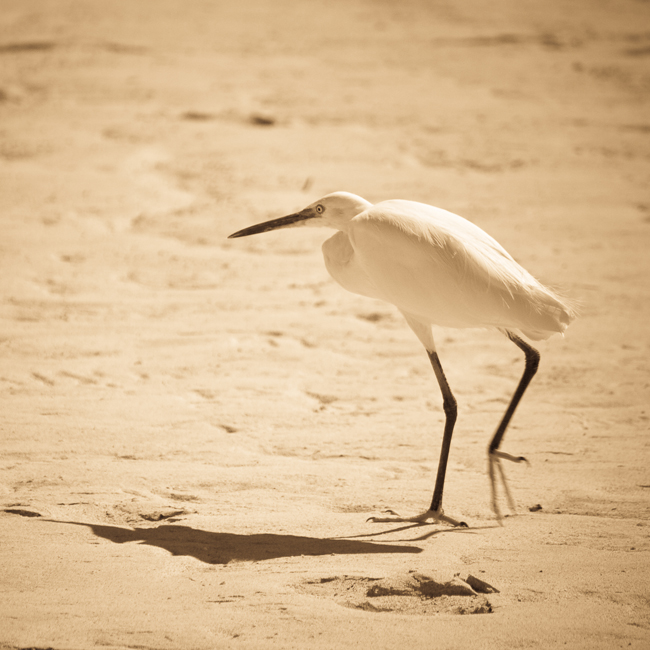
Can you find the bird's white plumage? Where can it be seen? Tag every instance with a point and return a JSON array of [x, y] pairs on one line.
[[438, 268]]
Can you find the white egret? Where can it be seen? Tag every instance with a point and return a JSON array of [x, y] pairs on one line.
[[437, 269]]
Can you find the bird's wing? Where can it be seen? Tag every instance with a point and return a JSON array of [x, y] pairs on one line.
[[436, 265]]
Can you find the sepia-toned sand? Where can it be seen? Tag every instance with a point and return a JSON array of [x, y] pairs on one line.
[[194, 430]]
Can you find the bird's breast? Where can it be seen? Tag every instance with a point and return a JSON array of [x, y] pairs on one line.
[[342, 264]]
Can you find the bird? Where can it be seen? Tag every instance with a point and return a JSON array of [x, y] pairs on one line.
[[440, 269]]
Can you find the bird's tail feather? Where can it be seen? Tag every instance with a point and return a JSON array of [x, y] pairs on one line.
[[550, 315]]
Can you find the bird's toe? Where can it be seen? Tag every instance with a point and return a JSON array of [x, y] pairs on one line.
[[502, 455], [429, 515]]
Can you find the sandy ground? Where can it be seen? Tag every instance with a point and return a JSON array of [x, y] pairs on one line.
[[195, 430]]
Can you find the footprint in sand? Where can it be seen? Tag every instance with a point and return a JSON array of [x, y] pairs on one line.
[[413, 593]]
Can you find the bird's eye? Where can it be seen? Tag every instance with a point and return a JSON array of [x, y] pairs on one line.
[[320, 209]]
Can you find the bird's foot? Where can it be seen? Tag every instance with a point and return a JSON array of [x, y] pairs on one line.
[[435, 515], [515, 459], [494, 465]]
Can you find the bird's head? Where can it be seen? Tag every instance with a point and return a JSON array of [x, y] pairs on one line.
[[334, 210]]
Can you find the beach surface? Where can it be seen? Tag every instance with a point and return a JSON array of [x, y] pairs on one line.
[[195, 430]]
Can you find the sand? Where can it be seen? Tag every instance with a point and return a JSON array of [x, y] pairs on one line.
[[195, 430]]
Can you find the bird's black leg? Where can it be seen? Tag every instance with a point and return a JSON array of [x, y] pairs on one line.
[[451, 411], [494, 455], [532, 363]]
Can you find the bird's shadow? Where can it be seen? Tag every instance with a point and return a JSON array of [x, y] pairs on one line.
[[222, 548]]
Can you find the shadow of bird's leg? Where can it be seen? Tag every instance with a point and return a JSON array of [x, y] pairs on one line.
[[495, 456]]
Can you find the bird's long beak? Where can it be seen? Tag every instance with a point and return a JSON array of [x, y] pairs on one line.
[[275, 224]]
